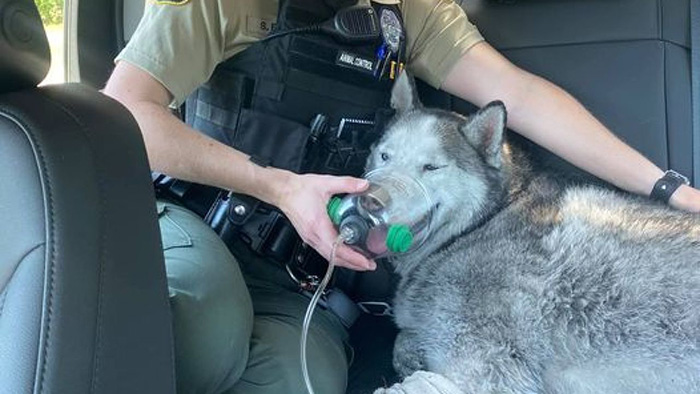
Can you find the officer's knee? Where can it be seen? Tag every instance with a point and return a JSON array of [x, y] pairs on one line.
[[212, 339], [274, 365]]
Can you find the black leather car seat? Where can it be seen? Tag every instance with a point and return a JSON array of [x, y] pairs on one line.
[[83, 296], [627, 61]]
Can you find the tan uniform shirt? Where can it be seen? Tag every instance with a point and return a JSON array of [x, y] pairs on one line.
[[181, 45]]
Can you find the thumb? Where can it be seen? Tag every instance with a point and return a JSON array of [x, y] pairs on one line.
[[347, 184]]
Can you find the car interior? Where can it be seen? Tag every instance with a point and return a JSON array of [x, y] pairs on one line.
[[83, 297]]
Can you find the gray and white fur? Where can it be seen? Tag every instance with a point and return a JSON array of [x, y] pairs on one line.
[[530, 285]]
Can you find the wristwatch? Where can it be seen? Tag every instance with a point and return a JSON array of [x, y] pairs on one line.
[[667, 185]]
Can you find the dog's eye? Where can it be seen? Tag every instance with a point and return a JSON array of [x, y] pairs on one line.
[[431, 167], [385, 156]]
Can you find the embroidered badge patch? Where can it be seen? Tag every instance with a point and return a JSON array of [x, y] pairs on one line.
[[391, 29], [349, 59]]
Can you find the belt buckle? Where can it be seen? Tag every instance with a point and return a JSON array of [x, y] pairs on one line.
[[309, 283]]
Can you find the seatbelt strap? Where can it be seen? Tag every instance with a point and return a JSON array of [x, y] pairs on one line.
[[695, 85]]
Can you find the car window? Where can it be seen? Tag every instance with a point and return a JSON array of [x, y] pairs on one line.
[[52, 12]]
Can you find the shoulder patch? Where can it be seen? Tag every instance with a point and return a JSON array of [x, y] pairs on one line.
[[171, 2]]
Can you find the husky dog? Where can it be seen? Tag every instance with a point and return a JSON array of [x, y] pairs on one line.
[[530, 285]]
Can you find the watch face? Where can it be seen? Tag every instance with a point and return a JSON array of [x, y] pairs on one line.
[[678, 176]]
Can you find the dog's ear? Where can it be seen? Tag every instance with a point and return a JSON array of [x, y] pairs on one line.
[[403, 94], [485, 129]]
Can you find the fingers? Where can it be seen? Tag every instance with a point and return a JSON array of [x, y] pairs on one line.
[[349, 258], [345, 256], [346, 184], [306, 211]]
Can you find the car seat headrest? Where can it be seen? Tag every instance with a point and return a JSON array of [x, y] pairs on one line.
[[24, 47]]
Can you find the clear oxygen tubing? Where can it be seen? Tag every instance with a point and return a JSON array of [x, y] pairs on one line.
[[345, 234]]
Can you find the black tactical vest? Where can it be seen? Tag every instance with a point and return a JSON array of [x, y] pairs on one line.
[[306, 103], [302, 102]]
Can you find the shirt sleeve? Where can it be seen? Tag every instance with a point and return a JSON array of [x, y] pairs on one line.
[[179, 45], [438, 34]]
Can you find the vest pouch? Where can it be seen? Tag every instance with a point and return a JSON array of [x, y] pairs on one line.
[[240, 219], [214, 108], [282, 145]]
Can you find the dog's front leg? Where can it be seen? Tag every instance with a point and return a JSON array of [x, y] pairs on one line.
[[478, 366], [409, 357], [422, 382]]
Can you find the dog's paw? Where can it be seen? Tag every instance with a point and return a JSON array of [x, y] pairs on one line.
[[422, 382]]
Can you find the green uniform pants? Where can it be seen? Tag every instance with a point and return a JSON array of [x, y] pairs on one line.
[[237, 336]]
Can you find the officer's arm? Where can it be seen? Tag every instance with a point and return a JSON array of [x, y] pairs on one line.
[[547, 115], [179, 151]]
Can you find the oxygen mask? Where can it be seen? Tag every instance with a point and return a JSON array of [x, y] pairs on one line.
[[392, 217]]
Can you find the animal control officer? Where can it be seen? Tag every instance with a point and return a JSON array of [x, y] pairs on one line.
[[238, 339]]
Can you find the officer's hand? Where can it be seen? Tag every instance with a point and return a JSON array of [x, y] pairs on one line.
[[304, 203], [686, 198]]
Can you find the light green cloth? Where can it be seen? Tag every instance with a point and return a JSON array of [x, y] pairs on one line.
[[241, 339]]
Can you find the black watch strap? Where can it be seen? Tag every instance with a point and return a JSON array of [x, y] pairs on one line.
[[667, 185]]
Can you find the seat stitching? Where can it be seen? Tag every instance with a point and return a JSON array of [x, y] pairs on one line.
[[49, 212], [102, 256], [52, 253], [102, 242], [2, 300], [6, 290], [591, 42]]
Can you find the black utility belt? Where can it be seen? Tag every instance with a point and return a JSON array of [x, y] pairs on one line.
[[268, 233], [261, 227], [239, 218], [265, 231]]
